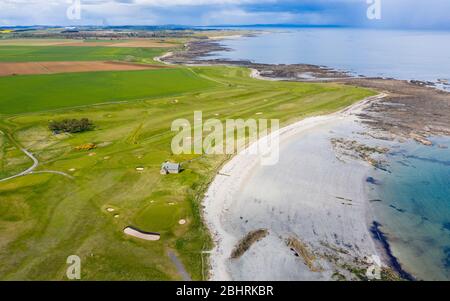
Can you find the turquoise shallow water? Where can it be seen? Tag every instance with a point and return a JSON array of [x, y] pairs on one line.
[[413, 207], [412, 202]]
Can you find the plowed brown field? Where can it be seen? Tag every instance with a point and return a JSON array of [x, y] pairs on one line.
[[15, 68]]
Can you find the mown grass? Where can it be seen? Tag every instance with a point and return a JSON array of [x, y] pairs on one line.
[[77, 53], [45, 218]]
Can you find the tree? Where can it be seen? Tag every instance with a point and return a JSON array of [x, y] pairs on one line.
[[71, 126]]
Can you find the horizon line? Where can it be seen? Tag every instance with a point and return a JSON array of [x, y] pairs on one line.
[[181, 26]]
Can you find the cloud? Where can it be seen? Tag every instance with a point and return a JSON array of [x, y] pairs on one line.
[[396, 13], [168, 3]]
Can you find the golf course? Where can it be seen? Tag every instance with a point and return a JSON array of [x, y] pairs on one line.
[[78, 200]]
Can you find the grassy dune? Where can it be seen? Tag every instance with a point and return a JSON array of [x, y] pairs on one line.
[[44, 218], [76, 53]]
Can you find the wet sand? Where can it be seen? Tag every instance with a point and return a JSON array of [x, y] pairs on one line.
[[310, 195], [316, 194]]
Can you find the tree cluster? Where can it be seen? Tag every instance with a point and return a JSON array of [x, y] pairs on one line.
[[71, 126]]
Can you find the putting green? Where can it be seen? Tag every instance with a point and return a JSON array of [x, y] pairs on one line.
[[45, 218]]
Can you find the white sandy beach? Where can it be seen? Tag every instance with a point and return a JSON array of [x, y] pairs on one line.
[[310, 195]]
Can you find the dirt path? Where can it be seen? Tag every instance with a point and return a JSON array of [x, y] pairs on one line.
[[53, 172], [31, 169], [180, 267]]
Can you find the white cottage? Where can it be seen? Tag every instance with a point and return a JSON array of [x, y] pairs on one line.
[[170, 168]]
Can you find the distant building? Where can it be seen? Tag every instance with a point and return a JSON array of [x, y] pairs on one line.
[[170, 168]]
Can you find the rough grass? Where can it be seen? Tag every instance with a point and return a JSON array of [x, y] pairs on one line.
[[45, 218]]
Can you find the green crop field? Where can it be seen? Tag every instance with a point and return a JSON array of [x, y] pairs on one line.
[[77, 53], [49, 92], [44, 218]]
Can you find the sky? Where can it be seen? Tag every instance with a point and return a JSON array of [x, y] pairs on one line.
[[406, 14]]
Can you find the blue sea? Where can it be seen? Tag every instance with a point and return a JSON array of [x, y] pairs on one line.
[[413, 199], [409, 55], [413, 206]]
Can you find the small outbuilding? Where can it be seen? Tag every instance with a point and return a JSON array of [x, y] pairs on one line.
[[170, 168]]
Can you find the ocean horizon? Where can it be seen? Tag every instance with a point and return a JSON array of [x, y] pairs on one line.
[[413, 207], [399, 54]]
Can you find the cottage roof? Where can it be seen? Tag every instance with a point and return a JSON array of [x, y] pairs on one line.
[[171, 166]]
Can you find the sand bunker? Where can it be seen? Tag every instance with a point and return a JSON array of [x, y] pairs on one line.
[[142, 235], [16, 68]]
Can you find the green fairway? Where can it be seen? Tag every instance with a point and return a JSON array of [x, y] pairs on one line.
[[49, 92], [77, 53], [44, 218]]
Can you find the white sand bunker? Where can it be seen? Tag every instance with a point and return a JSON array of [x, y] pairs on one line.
[[182, 222], [142, 235], [110, 209]]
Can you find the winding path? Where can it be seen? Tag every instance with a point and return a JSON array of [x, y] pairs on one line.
[[33, 167]]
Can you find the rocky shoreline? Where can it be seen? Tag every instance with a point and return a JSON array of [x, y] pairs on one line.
[[412, 110]]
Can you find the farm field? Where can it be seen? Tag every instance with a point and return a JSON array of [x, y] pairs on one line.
[[50, 92], [46, 217], [28, 68], [77, 53], [133, 43]]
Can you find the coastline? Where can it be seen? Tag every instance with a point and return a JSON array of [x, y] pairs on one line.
[[340, 244], [411, 111]]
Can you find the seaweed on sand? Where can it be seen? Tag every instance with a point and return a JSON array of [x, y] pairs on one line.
[[302, 251], [246, 242], [381, 237]]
